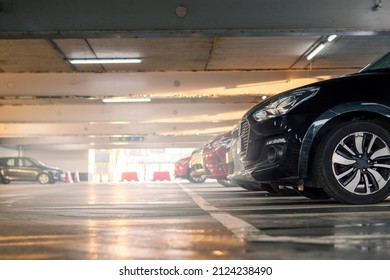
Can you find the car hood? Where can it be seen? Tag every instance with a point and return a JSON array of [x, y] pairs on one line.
[[354, 79], [51, 168]]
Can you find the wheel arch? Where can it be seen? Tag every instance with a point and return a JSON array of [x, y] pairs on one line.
[[336, 115]]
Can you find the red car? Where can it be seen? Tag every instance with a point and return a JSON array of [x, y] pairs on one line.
[[215, 154], [183, 170]]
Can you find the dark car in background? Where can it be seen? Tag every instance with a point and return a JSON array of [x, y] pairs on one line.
[[215, 154], [330, 139], [28, 169]]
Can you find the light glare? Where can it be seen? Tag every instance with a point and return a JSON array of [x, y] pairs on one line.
[[105, 60], [125, 100], [315, 51]]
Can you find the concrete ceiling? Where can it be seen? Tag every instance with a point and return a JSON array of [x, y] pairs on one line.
[[201, 68]]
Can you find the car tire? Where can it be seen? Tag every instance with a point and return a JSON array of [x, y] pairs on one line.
[[5, 181], [44, 178], [352, 163], [226, 183], [195, 179]]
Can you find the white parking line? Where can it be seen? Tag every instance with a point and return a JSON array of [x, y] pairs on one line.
[[241, 229], [249, 233]]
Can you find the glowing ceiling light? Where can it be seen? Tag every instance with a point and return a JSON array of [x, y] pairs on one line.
[[125, 100], [316, 51], [331, 37], [321, 46], [104, 60]]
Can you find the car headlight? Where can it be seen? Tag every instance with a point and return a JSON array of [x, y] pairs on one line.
[[283, 104]]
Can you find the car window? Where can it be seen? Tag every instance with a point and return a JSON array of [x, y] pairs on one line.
[[11, 162], [36, 162], [379, 64], [27, 163]]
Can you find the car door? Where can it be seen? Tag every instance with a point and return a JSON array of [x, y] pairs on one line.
[[9, 169], [27, 169]]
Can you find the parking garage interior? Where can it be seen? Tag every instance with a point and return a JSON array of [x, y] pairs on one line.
[[196, 67]]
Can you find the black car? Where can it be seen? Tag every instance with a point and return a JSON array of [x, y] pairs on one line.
[[330, 139], [27, 169]]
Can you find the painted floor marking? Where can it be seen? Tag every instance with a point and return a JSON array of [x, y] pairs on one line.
[[241, 229], [247, 232]]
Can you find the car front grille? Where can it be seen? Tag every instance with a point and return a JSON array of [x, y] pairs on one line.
[[244, 136]]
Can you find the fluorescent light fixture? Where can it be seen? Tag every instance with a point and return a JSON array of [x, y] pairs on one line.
[[125, 100], [315, 51], [105, 60], [321, 46], [331, 37], [103, 123]]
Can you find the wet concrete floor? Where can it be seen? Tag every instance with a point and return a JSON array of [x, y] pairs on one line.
[[183, 221]]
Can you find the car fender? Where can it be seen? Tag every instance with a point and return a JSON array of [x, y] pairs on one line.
[[327, 116]]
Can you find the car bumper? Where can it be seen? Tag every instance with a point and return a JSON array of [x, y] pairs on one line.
[[180, 171], [270, 151], [57, 176]]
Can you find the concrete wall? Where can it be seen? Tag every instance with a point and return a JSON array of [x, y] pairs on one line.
[[66, 160], [6, 152]]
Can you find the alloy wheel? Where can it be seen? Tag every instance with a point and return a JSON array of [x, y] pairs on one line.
[[43, 178], [361, 163]]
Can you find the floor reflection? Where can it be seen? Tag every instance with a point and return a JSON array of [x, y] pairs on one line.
[[163, 222]]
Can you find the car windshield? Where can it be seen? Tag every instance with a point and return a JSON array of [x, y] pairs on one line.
[[381, 63], [37, 162]]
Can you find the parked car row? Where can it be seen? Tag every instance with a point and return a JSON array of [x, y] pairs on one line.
[[330, 139], [183, 170], [215, 154], [208, 161]]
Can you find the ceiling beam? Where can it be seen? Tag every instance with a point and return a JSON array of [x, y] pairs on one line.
[[102, 142], [95, 130], [123, 113], [168, 84], [172, 18]]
